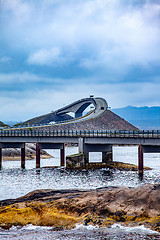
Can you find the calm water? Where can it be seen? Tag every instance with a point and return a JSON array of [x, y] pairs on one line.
[[15, 182]]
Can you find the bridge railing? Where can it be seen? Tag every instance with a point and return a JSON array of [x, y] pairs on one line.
[[81, 133]]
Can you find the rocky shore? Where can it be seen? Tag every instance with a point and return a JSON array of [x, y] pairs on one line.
[[77, 162], [15, 153], [103, 207]]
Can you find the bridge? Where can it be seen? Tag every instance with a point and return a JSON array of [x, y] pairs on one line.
[[60, 116], [79, 106], [88, 141], [56, 135]]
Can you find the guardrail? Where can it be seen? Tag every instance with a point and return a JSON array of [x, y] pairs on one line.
[[70, 133]]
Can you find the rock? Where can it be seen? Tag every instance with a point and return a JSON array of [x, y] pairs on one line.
[[77, 161], [15, 153], [103, 206]]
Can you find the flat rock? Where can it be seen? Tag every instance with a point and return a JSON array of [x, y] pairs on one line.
[[102, 206]]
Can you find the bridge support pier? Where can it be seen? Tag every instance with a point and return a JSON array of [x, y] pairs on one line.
[[140, 160], [0, 157], [23, 157], [37, 155], [86, 148], [62, 156]]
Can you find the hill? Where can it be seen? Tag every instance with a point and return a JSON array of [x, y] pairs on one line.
[[45, 119], [107, 121]]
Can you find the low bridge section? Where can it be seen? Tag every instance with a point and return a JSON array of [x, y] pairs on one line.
[[88, 141]]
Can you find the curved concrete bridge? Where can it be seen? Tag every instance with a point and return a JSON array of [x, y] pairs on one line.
[[78, 107]]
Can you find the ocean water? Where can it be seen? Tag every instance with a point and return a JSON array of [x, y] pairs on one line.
[[115, 232], [15, 182]]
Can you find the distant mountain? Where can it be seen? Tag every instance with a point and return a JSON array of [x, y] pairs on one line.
[[141, 117], [10, 123]]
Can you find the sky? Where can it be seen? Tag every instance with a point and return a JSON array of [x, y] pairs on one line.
[[54, 52]]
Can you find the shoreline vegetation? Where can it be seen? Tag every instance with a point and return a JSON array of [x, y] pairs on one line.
[[113, 165], [63, 209]]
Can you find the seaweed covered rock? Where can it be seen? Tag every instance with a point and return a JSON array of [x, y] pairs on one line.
[[103, 207]]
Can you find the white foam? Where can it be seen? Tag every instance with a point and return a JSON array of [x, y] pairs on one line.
[[86, 227], [141, 228], [33, 227]]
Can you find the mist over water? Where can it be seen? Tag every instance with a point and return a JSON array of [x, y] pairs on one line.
[[16, 182]]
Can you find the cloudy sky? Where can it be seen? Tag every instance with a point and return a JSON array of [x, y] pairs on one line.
[[53, 52]]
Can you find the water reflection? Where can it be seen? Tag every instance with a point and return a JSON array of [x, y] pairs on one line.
[[140, 175]]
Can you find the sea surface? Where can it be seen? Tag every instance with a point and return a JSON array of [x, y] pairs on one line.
[[15, 182]]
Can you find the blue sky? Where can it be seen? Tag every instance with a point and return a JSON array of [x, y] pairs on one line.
[[53, 52]]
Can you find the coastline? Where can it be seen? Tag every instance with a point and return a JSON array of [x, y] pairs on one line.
[[18, 158], [14, 154], [103, 207], [111, 165]]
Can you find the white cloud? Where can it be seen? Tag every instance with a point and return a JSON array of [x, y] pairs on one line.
[[25, 77], [46, 57], [33, 103], [95, 33], [104, 36]]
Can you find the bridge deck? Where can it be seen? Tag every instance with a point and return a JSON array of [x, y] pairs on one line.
[[96, 133], [148, 141]]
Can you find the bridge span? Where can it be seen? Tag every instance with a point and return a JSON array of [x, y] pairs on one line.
[[100, 106], [88, 141]]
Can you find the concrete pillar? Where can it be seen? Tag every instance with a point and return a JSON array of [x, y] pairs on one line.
[[62, 156], [140, 159], [37, 155], [81, 145], [107, 156], [23, 157], [0, 157], [82, 149]]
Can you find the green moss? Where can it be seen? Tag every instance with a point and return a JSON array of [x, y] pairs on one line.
[[76, 154]]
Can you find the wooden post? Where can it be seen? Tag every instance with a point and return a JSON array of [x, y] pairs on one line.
[[0, 157], [23, 157], [62, 156], [140, 159], [37, 155]]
